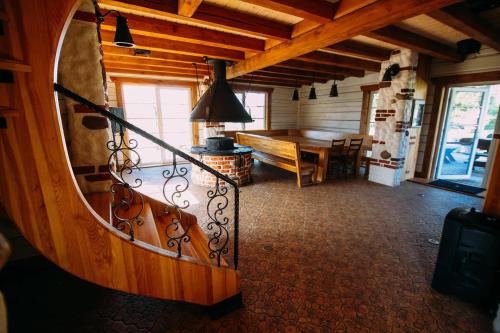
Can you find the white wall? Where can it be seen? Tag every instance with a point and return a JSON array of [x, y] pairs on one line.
[[341, 113], [283, 109], [487, 60]]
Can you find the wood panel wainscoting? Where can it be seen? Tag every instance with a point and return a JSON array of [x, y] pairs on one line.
[[43, 199]]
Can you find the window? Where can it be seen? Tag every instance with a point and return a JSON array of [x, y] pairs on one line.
[[256, 105], [161, 111], [371, 112]]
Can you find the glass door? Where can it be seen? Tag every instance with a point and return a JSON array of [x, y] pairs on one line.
[[162, 111], [465, 110]]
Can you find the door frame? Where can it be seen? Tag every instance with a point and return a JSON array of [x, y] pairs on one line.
[[444, 129], [439, 97], [119, 81]]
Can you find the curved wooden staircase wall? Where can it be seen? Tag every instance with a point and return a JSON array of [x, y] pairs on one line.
[[40, 194]]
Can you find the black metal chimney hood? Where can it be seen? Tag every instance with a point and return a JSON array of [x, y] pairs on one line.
[[219, 103]]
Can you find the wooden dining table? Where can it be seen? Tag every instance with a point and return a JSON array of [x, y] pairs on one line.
[[319, 147]]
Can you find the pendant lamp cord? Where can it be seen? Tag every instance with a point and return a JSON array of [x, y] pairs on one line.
[[244, 98], [197, 79]]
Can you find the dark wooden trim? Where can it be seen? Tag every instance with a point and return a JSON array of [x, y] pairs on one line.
[[365, 106], [437, 103], [369, 87], [85, 16], [441, 84], [467, 78]]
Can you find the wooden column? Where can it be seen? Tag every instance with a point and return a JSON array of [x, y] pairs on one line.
[[492, 200]]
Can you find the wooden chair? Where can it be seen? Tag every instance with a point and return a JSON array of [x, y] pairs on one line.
[[337, 155], [350, 159]]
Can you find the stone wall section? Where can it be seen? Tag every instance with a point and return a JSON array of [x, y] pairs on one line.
[[392, 119], [86, 132]]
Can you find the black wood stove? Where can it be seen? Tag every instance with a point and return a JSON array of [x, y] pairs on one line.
[[468, 263]]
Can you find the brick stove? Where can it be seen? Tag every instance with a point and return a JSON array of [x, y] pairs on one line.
[[223, 155]]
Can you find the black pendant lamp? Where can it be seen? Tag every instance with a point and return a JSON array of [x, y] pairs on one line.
[[295, 96], [333, 91], [312, 92], [123, 38]]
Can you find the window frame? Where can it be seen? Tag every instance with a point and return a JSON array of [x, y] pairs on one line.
[[368, 91], [238, 88], [119, 81]]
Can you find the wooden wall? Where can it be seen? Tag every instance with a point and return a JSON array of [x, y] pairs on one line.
[[40, 194], [341, 113]]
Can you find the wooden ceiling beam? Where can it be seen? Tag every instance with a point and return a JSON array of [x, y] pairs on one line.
[[354, 48], [301, 73], [281, 84], [252, 78], [370, 17], [151, 27], [165, 45], [188, 7], [206, 14], [289, 77], [318, 10], [464, 20], [188, 71], [142, 71], [325, 69], [166, 56], [404, 38], [338, 60], [151, 62]]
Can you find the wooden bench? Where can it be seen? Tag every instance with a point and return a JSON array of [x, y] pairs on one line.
[[282, 154]]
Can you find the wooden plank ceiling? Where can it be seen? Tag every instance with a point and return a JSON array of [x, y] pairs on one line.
[[286, 42]]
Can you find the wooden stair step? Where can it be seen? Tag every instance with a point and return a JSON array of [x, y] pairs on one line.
[[161, 225], [200, 243], [146, 232], [14, 65], [100, 203]]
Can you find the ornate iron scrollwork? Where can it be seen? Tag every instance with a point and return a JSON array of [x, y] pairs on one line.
[[175, 199], [122, 161], [127, 195], [218, 240]]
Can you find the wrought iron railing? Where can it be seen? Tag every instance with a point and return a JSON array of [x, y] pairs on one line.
[[124, 160]]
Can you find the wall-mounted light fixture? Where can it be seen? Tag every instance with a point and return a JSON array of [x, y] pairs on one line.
[[390, 72], [123, 38]]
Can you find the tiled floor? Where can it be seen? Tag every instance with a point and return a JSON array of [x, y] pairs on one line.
[[344, 256]]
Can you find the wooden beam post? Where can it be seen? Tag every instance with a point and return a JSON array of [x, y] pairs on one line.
[[188, 7], [492, 199]]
